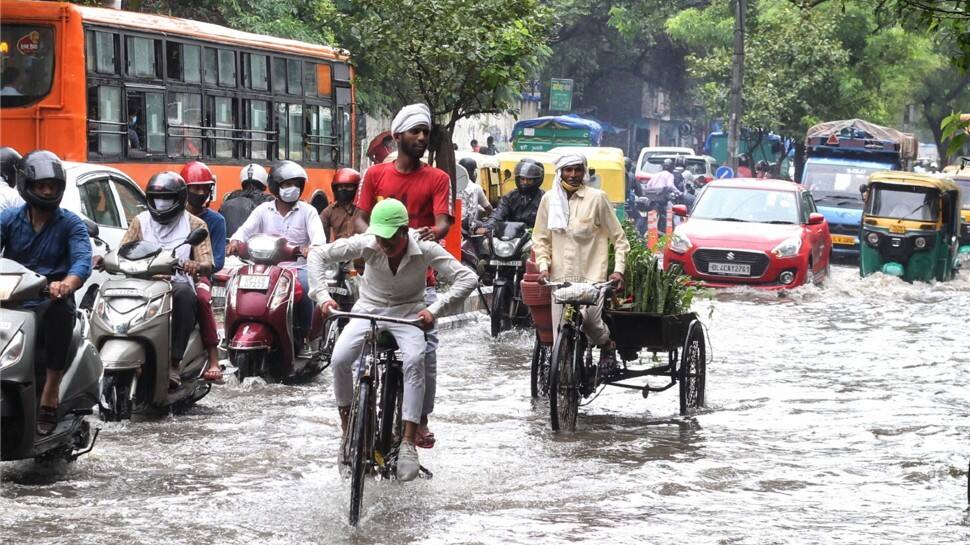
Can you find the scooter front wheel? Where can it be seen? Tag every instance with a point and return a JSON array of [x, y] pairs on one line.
[[248, 363], [115, 401]]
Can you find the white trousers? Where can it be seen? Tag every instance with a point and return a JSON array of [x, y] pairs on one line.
[[349, 347], [593, 325]]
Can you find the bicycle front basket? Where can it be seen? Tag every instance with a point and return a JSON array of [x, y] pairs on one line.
[[576, 294]]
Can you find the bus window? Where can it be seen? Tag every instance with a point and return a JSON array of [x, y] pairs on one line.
[[257, 119], [105, 127], [223, 116], [101, 49], [227, 68], [346, 132], [98, 203], [341, 72], [144, 56], [294, 78], [310, 79], [279, 75], [211, 66], [27, 59], [184, 119], [319, 131], [183, 62], [146, 124], [289, 124], [255, 72], [324, 80]]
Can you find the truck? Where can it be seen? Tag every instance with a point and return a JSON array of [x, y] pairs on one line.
[[545, 133], [840, 156]]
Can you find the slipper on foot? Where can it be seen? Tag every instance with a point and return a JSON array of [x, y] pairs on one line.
[[46, 420], [424, 439], [212, 374]]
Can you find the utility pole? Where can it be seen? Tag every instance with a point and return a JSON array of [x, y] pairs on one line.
[[737, 80]]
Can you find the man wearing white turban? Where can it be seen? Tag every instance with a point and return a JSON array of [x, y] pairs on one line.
[[574, 227], [426, 192]]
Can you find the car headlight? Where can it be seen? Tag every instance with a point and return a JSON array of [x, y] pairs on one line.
[[13, 351], [788, 248], [504, 248], [679, 243]]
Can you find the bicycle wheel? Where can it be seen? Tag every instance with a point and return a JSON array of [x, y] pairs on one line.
[[563, 387], [540, 370], [388, 417], [500, 309], [359, 454], [693, 370]]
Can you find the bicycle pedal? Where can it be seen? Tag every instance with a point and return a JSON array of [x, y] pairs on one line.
[[424, 473]]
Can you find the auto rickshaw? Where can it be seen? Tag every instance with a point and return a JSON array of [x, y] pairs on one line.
[[910, 224], [607, 171], [961, 177], [488, 171], [506, 168]]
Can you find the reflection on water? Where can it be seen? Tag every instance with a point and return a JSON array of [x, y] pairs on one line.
[[836, 415]]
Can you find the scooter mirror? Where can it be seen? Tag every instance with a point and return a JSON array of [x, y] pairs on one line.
[[197, 236], [93, 230]]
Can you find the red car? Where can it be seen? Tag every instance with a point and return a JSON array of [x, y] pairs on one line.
[[761, 233]]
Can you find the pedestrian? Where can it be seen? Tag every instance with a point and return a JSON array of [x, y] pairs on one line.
[[474, 145], [489, 148]]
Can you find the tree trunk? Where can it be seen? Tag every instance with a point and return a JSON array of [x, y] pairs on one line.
[[441, 152], [799, 160], [937, 130]]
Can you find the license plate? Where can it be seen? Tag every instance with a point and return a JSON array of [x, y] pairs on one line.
[[338, 291], [496, 263], [254, 282], [123, 292], [844, 239], [897, 229], [729, 268], [218, 291]]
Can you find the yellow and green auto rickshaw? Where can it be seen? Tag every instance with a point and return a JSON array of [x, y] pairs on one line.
[[910, 224], [506, 167], [607, 171], [961, 177]]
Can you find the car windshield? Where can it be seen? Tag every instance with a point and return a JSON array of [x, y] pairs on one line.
[[27, 58], [747, 205], [821, 178], [654, 163], [916, 203]]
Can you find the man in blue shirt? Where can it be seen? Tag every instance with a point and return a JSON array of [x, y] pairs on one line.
[[201, 187], [52, 242]]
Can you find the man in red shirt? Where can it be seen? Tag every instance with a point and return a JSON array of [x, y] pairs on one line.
[[426, 192]]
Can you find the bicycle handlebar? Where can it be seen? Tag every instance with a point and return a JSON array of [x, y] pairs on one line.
[[566, 284], [416, 322]]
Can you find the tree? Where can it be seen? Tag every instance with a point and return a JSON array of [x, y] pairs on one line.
[[459, 58]]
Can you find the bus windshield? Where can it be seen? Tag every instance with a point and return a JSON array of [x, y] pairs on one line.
[[891, 202], [27, 58], [845, 179]]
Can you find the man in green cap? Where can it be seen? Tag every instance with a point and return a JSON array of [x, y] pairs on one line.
[[396, 262]]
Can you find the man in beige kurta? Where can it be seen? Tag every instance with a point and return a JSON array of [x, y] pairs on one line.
[[574, 227]]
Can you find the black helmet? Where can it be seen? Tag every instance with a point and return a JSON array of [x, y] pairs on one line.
[[471, 166], [529, 169], [680, 161], [668, 165], [8, 165], [166, 185], [36, 166], [283, 171], [762, 166]]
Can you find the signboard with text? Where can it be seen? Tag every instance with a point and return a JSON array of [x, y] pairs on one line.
[[561, 95]]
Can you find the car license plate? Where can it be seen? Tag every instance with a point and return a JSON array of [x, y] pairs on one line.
[[497, 263], [254, 282], [844, 239], [729, 268], [218, 291]]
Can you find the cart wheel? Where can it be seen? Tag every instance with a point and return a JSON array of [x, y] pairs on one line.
[[693, 370], [564, 382], [540, 370]]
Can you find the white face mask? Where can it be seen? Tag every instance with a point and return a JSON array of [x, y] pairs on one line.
[[164, 204], [290, 194]]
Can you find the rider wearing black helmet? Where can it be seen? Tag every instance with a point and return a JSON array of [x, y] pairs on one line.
[[9, 197], [289, 217], [52, 242], [237, 205], [167, 223], [522, 203]]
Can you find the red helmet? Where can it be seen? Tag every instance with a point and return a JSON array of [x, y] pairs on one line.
[[197, 172], [346, 176]]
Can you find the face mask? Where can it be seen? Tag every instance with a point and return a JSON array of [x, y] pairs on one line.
[[290, 194], [163, 205], [197, 201], [344, 195]]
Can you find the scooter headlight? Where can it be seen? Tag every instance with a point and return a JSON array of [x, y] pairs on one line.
[[13, 351], [117, 321], [679, 243], [788, 248], [152, 309], [505, 248], [282, 292]]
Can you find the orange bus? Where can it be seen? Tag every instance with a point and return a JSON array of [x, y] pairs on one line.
[[145, 93]]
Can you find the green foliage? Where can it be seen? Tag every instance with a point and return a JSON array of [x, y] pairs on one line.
[[956, 131], [650, 287]]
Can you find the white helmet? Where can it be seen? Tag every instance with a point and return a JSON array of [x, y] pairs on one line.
[[254, 173]]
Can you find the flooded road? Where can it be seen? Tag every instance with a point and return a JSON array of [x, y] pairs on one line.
[[835, 415]]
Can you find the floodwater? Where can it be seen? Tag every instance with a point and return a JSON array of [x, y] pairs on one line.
[[835, 415]]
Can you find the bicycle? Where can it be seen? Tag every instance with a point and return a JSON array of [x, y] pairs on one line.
[[374, 426]]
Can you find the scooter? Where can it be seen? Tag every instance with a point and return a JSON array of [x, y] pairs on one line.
[[131, 326], [22, 375], [342, 284], [260, 301], [509, 241]]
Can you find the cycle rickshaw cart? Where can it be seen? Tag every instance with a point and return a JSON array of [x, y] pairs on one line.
[[574, 375]]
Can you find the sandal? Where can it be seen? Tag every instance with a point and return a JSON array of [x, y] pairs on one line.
[[212, 374], [46, 420], [424, 439], [174, 380]]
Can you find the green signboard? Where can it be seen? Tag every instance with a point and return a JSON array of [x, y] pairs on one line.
[[561, 95]]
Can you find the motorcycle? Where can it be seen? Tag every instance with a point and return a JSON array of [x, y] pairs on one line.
[[474, 249], [343, 288], [509, 242], [22, 376], [260, 301], [131, 326]]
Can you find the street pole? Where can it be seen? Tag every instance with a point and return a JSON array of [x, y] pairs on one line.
[[737, 79]]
